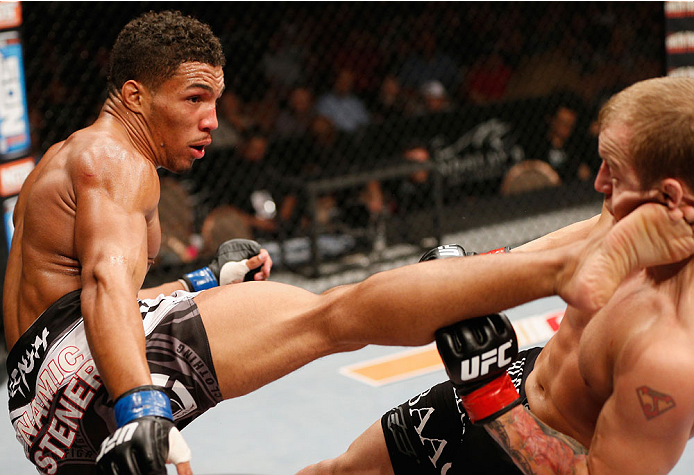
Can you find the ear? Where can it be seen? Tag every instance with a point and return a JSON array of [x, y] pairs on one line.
[[133, 94], [671, 193]]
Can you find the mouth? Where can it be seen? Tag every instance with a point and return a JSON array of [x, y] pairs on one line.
[[198, 150]]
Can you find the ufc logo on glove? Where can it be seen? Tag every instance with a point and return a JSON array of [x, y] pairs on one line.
[[470, 368]]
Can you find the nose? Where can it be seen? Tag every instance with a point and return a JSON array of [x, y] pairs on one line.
[[603, 181], [209, 121]]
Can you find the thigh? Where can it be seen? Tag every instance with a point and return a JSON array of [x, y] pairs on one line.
[[260, 331]]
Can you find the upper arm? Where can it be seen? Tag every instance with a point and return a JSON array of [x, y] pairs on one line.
[[112, 203], [645, 424]]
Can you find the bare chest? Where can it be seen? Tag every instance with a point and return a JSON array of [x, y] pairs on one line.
[[630, 313]]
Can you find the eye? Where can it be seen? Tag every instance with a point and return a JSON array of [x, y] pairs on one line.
[[194, 99]]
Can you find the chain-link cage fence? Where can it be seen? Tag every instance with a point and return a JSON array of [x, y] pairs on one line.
[[349, 128]]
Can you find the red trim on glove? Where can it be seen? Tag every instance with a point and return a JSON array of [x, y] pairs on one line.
[[501, 250], [490, 398]]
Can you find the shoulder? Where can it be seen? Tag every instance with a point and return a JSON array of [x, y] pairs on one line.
[[102, 152], [97, 160]]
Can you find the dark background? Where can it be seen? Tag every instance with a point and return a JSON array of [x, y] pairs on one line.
[[506, 69]]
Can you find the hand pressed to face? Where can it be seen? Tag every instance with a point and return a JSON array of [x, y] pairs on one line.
[[183, 113]]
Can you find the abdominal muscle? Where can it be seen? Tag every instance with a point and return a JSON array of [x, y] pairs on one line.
[[557, 392]]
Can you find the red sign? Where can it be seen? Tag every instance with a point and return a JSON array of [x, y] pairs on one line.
[[13, 174], [10, 15]]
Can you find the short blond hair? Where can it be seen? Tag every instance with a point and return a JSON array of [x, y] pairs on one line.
[[659, 113]]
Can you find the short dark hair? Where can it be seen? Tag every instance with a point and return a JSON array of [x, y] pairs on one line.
[[151, 47]]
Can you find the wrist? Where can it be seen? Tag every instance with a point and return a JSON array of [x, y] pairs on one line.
[[140, 402], [491, 400], [200, 279]]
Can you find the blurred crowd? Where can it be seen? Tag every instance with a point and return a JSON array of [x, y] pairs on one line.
[[304, 81]]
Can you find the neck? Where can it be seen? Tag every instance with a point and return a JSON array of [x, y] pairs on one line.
[[134, 125]]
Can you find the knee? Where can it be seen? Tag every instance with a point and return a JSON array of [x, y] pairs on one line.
[[341, 324]]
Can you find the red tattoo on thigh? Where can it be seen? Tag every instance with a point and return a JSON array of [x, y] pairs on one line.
[[654, 403]]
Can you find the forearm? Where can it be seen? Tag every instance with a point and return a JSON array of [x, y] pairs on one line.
[[535, 447], [115, 334]]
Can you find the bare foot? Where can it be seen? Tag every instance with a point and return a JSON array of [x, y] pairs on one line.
[[651, 235]]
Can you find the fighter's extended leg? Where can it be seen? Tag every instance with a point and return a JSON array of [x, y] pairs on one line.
[[261, 331]]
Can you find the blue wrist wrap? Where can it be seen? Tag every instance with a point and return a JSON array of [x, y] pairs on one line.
[[140, 404], [202, 279]]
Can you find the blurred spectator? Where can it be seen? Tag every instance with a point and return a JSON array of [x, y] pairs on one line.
[[554, 146], [177, 219], [427, 63], [325, 154], [233, 121], [360, 54], [283, 62], [317, 154], [434, 98], [342, 106], [249, 185], [415, 191], [398, 196], [390, 101], [264, 111], [487, 79], [295, 119], [529, 175], [279, 59], [543, 74]]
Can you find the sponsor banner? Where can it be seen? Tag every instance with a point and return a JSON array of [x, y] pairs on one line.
[[679, 38], [13, 174], [531, 331], [14, 116], [7, 212], [10, 15]]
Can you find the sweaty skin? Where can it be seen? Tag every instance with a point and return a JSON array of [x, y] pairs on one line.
[[618, 380], [46, 265], [90, 211], [86, 218], [611, 391]]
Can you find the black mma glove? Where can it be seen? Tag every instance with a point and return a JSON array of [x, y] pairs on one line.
[[476, 354], [228, 265], [146, 438]]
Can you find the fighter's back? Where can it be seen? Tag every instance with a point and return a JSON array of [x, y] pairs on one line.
[[43, 264]]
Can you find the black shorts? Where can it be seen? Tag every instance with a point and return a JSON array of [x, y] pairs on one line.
[[431, 434], [58, 405]]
